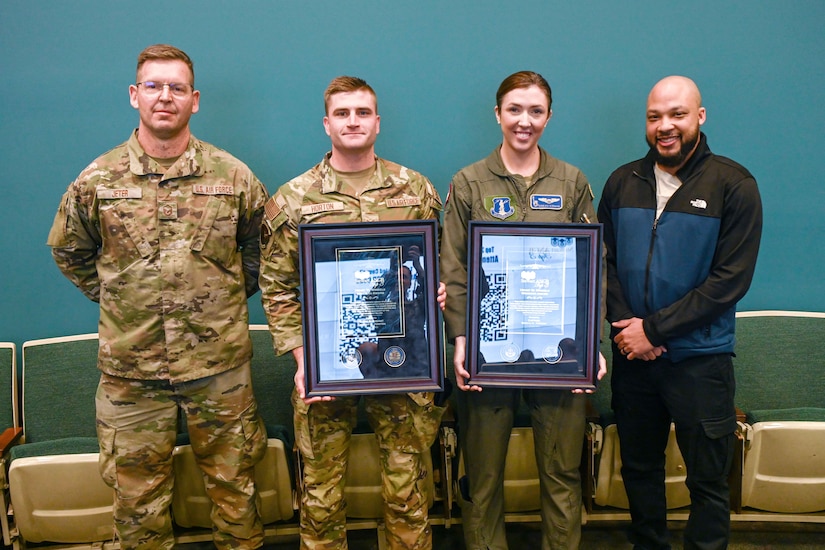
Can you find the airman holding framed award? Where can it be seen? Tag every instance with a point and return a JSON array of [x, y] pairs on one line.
[[509, 322], [355, 286]]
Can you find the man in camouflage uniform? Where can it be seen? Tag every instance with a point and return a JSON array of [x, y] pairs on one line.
[[350, 184], [163, 232]]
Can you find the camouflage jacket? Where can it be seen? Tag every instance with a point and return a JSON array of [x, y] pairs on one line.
[[317, 196], [171, 258], [559, 193]]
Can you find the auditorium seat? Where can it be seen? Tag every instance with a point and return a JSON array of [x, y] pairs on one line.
[[780, 373], [57, 493], [10, 431]]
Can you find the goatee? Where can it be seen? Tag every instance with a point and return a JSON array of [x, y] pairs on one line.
[[678, 158]]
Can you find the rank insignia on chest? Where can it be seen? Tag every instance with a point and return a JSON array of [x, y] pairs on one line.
[[545, 202], [167, 210]]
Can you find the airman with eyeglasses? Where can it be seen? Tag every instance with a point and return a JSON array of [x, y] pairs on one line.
[[154, 89], [164, 115], [167, 223]]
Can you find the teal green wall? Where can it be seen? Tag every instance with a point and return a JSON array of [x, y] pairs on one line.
[[262, 66]]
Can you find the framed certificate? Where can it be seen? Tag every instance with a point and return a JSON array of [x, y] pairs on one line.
[[370, 319], [533, 301]]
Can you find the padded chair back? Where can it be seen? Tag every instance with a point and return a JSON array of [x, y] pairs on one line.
[[273, 380], [9, 427], [60, 377], [778, 353], [8, 386]]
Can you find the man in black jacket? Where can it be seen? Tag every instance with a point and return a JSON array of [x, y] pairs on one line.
[[682, 229]]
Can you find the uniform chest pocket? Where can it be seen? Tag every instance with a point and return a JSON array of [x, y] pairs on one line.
[[216, 235], [123, 240]]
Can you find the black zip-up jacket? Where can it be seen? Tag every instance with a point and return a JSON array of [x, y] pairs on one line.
[[683, 273]]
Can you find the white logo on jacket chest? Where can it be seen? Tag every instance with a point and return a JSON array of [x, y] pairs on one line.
[[699, 203]]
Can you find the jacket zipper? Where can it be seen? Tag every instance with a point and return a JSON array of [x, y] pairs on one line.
[[648, 305]]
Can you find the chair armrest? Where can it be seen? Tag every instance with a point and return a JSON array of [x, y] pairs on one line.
[[595, 432], [740, 415], [9, 438]]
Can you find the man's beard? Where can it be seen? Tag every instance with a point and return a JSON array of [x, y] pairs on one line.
[[675, 160]]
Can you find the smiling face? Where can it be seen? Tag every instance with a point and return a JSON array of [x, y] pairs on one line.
[[352, 122], [164, 116], [674, 115], [523, 114]]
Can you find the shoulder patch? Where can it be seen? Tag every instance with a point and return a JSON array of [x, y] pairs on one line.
[[274, 206]]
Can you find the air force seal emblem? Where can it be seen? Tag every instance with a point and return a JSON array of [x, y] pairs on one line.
[[502, 209], [395, 356]]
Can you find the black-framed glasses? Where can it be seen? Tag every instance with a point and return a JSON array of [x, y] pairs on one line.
[[152, 88]]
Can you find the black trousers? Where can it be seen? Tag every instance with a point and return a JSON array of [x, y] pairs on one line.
[[698, 396]]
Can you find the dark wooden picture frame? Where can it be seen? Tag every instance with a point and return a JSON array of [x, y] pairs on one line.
[[534, 295], [370, 319]]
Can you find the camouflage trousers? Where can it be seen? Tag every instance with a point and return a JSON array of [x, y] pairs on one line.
[[137, 423], [406, 426]]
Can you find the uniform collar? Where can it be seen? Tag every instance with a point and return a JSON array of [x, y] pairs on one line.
[[496, 165], [190, 163], [330, 183]]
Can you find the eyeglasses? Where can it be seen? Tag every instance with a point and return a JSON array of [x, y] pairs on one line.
[[154, 89]]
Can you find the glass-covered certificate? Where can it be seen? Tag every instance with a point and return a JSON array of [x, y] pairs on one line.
[[371, 324], [533, 300]]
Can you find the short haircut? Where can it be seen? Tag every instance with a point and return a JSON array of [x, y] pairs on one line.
[[523, 79], [165, 52], [344, 84]]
